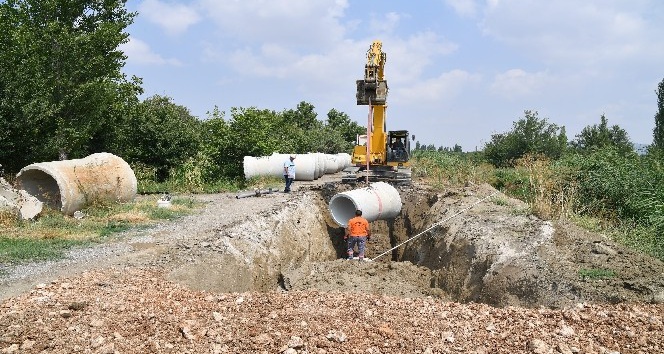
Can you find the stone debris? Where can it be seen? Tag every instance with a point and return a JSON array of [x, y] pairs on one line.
[[144, 312], [19, 202]]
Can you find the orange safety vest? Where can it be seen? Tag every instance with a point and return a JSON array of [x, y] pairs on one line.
[[358, 226]]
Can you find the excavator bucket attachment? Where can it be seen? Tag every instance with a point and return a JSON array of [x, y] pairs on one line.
[[371, 92]]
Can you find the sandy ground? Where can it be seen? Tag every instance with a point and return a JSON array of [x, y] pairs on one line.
[[262, 274]]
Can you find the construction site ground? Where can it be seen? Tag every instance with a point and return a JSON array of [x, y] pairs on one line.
[[266, 275]]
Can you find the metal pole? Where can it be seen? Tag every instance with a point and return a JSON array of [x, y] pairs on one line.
[[369, 140], [435, 225]]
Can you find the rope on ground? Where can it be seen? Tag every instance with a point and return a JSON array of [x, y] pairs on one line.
[[436, 225]]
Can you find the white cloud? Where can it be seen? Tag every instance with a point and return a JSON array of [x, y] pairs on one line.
[[517, 83], [445, 87], [409, 59], [139, 52], [173, 18], [578, 33], [385, 24], [342, 62], [297, 22], [463, 7]]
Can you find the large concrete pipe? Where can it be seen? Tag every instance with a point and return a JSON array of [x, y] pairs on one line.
[[70, 185], [262, 166], [345, 159], [273, 165], [379, 201], [319, 161], [331, 164]]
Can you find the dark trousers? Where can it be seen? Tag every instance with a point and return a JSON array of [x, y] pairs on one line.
[[289, 181], [361, 242]]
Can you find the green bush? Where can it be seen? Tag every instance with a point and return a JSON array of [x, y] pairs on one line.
[[513, 182]]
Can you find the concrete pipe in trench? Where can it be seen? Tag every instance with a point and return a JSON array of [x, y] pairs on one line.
[[70, 185], [379, 201]]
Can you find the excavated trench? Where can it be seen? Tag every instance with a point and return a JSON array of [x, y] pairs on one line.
[[489, 251]]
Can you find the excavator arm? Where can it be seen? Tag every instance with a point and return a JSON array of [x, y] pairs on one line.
[[372, 90], [384, 163]]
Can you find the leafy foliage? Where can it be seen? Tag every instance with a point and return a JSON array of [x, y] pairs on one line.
[[159, 134], [530, 135], [600, 136], [658, 131], [60, 78], [340, 123], [625, 190], [448, 168]]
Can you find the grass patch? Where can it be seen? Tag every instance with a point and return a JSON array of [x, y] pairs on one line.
[[645, 239], [596, 273], [14, 250], [521, 211], [499, 201], [53, 233]]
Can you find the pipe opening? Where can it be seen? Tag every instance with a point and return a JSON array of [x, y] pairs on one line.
[[342, 209], [42, 186]]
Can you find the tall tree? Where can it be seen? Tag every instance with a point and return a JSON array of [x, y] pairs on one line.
[[340, 122], [529, 135], [658, 132], [60, 74], [160, 134], [304, 116], [601, 136]]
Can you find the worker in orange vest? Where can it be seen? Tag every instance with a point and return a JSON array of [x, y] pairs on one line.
[[357, 233]]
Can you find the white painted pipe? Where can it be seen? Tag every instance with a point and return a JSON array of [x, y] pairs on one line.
[[331, 164], [70, 185], [305, 167], [263, 166], [320, 161], [273, 165], [345, 159], [379, 201], [314, 158]]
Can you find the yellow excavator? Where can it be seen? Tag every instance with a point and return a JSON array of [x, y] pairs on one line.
[[379, 155]]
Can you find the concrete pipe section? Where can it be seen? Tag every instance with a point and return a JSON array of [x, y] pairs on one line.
[[345, 160], [379, 201], [307, 166], [70, 185]]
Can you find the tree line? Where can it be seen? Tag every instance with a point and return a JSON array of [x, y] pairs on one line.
[[63, 95]]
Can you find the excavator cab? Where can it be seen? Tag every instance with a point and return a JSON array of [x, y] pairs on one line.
[[398, 147]]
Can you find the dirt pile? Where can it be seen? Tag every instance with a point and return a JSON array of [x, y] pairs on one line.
[[138, 311]]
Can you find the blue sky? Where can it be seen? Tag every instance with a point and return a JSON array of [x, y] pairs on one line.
[[458, 70]]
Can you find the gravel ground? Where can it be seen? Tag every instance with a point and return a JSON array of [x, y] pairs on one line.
[[130, 310]]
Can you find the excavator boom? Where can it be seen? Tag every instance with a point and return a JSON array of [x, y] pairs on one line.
[[385, 162]]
